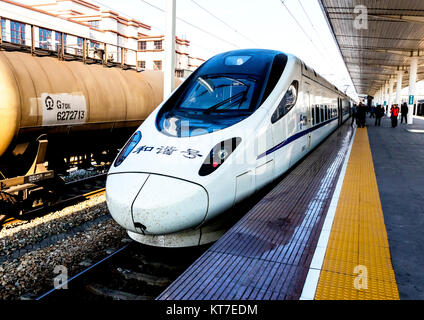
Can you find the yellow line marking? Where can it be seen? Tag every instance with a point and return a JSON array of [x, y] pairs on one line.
[[95, 193], [357, 263]]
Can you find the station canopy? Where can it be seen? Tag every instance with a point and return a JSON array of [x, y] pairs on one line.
[[376, 47]]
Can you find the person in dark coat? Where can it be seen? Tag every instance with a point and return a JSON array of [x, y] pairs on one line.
[[379, 113], [372, 112], [394, 113], [361, 114], [354, 114], [404, 113]]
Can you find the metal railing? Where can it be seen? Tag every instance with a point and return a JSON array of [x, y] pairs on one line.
[[66, 46]]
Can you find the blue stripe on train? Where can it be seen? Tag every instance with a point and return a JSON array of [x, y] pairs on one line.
[[294, 137]]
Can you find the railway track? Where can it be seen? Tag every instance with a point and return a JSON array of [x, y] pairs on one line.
[[132, 272], [71, 193]]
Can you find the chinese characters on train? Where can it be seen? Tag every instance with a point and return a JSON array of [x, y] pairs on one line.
[[169, 150]]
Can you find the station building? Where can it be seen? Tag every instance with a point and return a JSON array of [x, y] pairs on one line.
[[106, 34], [150, 55]]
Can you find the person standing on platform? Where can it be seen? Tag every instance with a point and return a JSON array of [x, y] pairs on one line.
[[372, 112], [379, 112], [394, 113], [364, 115], [404, 112], [354, 114], [361, 115]]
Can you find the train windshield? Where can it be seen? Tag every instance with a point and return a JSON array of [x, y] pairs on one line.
[[223, 91], [219, 94]]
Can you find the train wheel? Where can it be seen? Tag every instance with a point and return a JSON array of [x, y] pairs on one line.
[[7, 202]]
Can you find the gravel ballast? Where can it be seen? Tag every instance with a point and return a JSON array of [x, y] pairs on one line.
[[22, 234], [30, 252]]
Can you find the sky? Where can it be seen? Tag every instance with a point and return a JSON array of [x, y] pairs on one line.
[[292, 26]]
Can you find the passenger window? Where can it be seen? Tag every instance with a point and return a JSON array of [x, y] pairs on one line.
[[287, 103], [317, 115], [322, 113], [326, 113], [312, 116]]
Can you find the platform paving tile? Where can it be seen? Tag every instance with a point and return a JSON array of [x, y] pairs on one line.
[[398, 157]]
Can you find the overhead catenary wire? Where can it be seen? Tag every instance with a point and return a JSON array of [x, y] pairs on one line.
[[152, 25], [306, 34], [194, 26], [315, 29], [311, 23], [303, 30], [225, 23]]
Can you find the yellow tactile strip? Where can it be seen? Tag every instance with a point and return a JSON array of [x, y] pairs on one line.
[[357, 262]]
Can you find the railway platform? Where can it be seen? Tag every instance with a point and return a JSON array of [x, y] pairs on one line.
[[343, 224]]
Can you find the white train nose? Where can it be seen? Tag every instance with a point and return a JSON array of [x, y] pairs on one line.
[[121, 190], [154, 204], [166, 205]]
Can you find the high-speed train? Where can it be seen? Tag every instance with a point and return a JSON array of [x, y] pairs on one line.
[[238, 122]]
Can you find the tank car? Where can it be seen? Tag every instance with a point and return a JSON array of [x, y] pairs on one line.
[[53, 110], [238, 122]]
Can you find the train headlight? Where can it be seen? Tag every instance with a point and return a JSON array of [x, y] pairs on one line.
[[218, 155], [126, 150]]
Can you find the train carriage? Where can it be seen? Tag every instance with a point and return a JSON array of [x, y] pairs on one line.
[[237, 123]]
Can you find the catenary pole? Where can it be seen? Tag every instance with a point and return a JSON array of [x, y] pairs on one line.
[[169, 63]]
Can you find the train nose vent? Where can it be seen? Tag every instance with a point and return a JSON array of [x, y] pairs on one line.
[[167, 205], [140, 226]]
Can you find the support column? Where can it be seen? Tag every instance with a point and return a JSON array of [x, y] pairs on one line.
[[32, 40], [169, 65], [382, 95], [412, 82], [399, 87], [386, 98]]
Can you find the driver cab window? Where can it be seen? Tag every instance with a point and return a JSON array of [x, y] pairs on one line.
[[287, 103]]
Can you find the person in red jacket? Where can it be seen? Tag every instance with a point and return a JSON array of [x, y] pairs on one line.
[[394, 113]]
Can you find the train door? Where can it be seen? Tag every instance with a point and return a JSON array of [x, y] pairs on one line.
[[264, 171], [299, 117], [279, 135], [340, 111]]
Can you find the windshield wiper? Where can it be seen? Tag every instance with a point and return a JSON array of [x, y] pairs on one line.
[[238, 97]]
